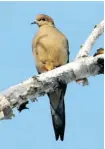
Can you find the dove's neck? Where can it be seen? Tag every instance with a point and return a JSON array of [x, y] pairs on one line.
[[47, 25]]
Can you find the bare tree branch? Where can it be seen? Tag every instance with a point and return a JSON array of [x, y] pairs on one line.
[[87, 46], [41, 84]]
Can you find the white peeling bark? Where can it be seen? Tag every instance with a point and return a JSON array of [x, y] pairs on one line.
[[87, 46], [43, 83]]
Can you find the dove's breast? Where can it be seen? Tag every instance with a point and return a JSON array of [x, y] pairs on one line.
[[52, 45]]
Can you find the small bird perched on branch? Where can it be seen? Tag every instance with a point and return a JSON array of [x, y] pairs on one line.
[[99, 51], [51, 50]]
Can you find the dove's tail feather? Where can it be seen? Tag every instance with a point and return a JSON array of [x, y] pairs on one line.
[[58, 111], [59, 122]]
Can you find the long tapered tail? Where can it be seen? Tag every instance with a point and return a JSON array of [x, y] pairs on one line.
[[58, 111]]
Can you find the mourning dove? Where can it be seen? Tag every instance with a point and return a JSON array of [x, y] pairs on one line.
[[50, 49]]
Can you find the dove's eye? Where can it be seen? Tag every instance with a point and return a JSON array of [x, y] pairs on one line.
[[43, 19]]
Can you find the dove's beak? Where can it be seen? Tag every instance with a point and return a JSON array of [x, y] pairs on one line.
[[34, 22]]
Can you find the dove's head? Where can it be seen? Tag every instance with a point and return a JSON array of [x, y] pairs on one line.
[[43, 19]]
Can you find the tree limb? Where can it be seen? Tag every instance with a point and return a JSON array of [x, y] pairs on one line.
[[87, 46], [49, 81]]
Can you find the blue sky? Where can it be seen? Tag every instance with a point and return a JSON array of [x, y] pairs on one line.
[[84, 105]]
